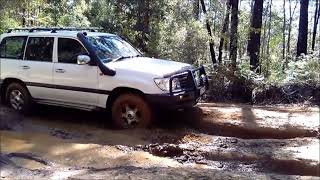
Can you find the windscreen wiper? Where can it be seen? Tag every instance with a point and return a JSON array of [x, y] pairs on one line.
[[121, 58], [124, 57]]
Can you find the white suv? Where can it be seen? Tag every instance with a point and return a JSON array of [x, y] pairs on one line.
[[85, 69]]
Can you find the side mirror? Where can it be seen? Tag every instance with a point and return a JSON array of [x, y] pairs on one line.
[[83, 59]]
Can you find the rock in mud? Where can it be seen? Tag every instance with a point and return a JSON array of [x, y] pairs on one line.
[[165, 150], [234, 141], [125, 149], [68, 135], [220, 165], [223, 146]]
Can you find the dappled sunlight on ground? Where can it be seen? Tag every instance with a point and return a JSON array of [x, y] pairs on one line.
[[67, 153], [282, 117], [236, 139]]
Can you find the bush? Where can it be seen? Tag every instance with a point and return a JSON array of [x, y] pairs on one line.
[[299, 83]]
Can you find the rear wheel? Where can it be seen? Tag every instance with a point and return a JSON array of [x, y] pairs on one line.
[[18, 98], [131, 111]]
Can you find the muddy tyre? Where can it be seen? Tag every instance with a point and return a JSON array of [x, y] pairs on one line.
[[131, 111], [18, 98]]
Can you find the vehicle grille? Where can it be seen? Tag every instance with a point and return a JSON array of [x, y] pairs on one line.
[[191, 80], [186, 82]]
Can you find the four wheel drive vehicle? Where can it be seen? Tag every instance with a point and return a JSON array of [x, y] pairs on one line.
[[85, 69]]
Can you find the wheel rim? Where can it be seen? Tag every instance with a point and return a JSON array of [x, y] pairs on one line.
[[130, 114], [16, 100]]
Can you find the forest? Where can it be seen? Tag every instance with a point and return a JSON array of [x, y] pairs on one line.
[[253, 50], [259, 118]]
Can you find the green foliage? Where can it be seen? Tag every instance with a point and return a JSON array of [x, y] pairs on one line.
[[173, 33], [305, 70], [171, 29], [7, 22], [180, 37]]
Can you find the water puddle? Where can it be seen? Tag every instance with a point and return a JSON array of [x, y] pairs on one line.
[[28, 164]]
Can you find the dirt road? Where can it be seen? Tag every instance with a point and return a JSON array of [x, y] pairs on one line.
[[212, 141]]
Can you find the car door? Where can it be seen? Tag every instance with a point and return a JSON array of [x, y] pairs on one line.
[[11, 55], [75, 83], [37, 66]]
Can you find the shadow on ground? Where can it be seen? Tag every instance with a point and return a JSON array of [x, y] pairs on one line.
[[171, 127], [192, 119], [196, 119]]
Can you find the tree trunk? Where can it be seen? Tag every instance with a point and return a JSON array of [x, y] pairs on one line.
[[196, 9], [255, 35], [214, 22], [319, 40], [23, 17], [251, 7], [315, 24], [227, 32], [211, 44], [234, 33], [290, 26], [284, 34], [302, 44], [224, 34], [269, 37], [142, 25], [28, 13], [264, 36], [55, 13]]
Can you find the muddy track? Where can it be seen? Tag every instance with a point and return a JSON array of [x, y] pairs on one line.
[[211, 141], [265, 155], [245, 124]]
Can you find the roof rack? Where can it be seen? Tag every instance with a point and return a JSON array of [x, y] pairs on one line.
[[54, 29]]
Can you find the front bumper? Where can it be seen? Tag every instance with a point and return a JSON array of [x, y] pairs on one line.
[[168, 101], [188, 96]]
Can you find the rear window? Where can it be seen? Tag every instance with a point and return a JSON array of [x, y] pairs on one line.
[[39, 49], [12, 47]]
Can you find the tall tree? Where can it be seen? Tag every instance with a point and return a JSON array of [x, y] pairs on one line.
[[315, 23], [196, 8], [224, 31], [143, 24], [291, 15], [214, 22], [264, 35], [269, 37], [302, 44], [255, 34], [284, 31], [211, 44], [234, 33], [251, 7]]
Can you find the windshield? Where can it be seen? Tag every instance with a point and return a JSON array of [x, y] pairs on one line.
[[109, 48]]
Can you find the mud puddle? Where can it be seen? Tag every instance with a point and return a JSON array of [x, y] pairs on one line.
[[252, 122], [291, 157], [229, 140]]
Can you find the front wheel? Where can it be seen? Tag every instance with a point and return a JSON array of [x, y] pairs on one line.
[[131, 111]]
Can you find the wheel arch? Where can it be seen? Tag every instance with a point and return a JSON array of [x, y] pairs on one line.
[[115, 93]]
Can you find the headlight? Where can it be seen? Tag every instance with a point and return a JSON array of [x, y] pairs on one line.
[[176, 84], [164, 84]]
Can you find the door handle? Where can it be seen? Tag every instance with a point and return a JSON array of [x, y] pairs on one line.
[[60, 71], [25, 67]]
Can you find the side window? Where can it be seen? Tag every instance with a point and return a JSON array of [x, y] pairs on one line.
[[39, 49], [12, 47], [69, 49]]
